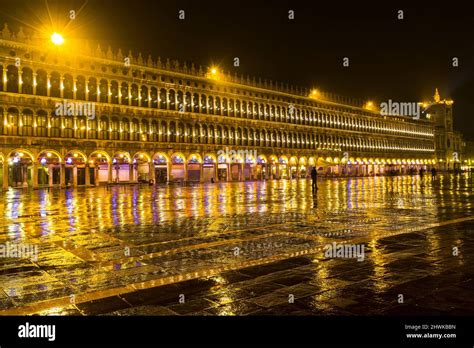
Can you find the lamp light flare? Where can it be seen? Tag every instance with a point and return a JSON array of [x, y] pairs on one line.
[[57, 39]]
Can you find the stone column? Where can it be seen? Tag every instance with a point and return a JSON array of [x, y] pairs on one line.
[[5, 174], [4, 78], [34, 83], [109, 170], [62, 175], [61, 86], [48, 85], [20, 80], [131, 173], [216, 172], [74, 89], [34, 175], [74, 176], [88, 175], [109, 96], [185, 171], [24, 169], [201, 172], [50, 174], [151, 171]]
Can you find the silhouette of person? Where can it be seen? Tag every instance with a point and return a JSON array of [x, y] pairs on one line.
[[314, 178]]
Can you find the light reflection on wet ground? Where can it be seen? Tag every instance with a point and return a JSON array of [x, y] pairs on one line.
[[104, 244]]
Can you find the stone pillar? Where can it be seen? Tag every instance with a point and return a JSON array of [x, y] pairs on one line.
[[185, 171], [131, 177], [74, 89], [20, 80], [109, 93], [62, 175], [86, 83], [24, 169], [109, 170], [151, 171], [48, 85], [4, 78], [61, 86], [216, 172], [168, 171], [5, 174], [242, 171], [74, 176], [34, 83], [50, 174], [34, 175], [88, 175]]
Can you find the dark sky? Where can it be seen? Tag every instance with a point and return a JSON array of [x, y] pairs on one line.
[[402, 60]]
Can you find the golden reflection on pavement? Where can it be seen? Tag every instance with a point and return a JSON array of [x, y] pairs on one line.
[[102, 241]]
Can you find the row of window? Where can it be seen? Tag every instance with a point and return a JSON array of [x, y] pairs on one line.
[[27, 123], [123, 93]]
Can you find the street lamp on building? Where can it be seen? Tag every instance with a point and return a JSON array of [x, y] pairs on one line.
[[57, 39]]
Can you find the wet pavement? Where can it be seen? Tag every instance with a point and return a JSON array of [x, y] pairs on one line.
[[242, 248]]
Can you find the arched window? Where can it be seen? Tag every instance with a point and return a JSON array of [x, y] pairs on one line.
[[163, 103], [196, 102], [134, 94], [114, 92], [68, 87], [172, 99], [92, 87], [81, 125], [28, 122], [124, 94], [125, 125], [80, 87], [143, 96], [210, 105], [27, 81], [154, 97], [103, 91], [12, 79], [104, 128], [42, 124], [135, 130], [41, 83], [55, 83]]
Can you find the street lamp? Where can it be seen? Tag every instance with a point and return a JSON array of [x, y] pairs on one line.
[[57, 39]]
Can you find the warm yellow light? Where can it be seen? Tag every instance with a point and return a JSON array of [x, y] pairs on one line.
[[213, 71], [57, 39], [314, 93]]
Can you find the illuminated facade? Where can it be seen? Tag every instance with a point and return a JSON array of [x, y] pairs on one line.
[[166, 121]]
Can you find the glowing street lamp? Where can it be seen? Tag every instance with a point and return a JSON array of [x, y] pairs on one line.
[[57, 39], [213, 73]]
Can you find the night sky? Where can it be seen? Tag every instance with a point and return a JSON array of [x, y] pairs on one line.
[[403, 60]]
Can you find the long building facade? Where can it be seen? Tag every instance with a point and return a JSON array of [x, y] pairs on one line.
[[86, 117]]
